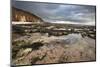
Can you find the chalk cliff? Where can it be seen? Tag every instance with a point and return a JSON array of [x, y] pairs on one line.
[[24, 16]]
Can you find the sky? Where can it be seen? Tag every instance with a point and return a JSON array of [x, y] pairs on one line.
[[59, 13]]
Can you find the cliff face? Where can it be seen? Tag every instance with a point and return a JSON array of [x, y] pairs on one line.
[[24, 16]]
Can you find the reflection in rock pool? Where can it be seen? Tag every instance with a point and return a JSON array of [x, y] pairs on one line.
[[70, 39]]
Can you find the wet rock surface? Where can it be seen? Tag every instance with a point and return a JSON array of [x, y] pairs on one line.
[[52, 43], [38, 48]]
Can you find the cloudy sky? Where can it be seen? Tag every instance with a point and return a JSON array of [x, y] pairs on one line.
[[59, 13]]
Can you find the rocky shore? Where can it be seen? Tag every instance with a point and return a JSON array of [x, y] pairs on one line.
[[40, 47]]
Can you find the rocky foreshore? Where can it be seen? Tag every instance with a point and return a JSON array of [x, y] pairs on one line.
[[46, 44], [55, 30]]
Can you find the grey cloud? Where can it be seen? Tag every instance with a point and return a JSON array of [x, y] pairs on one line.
[[59, 12]]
